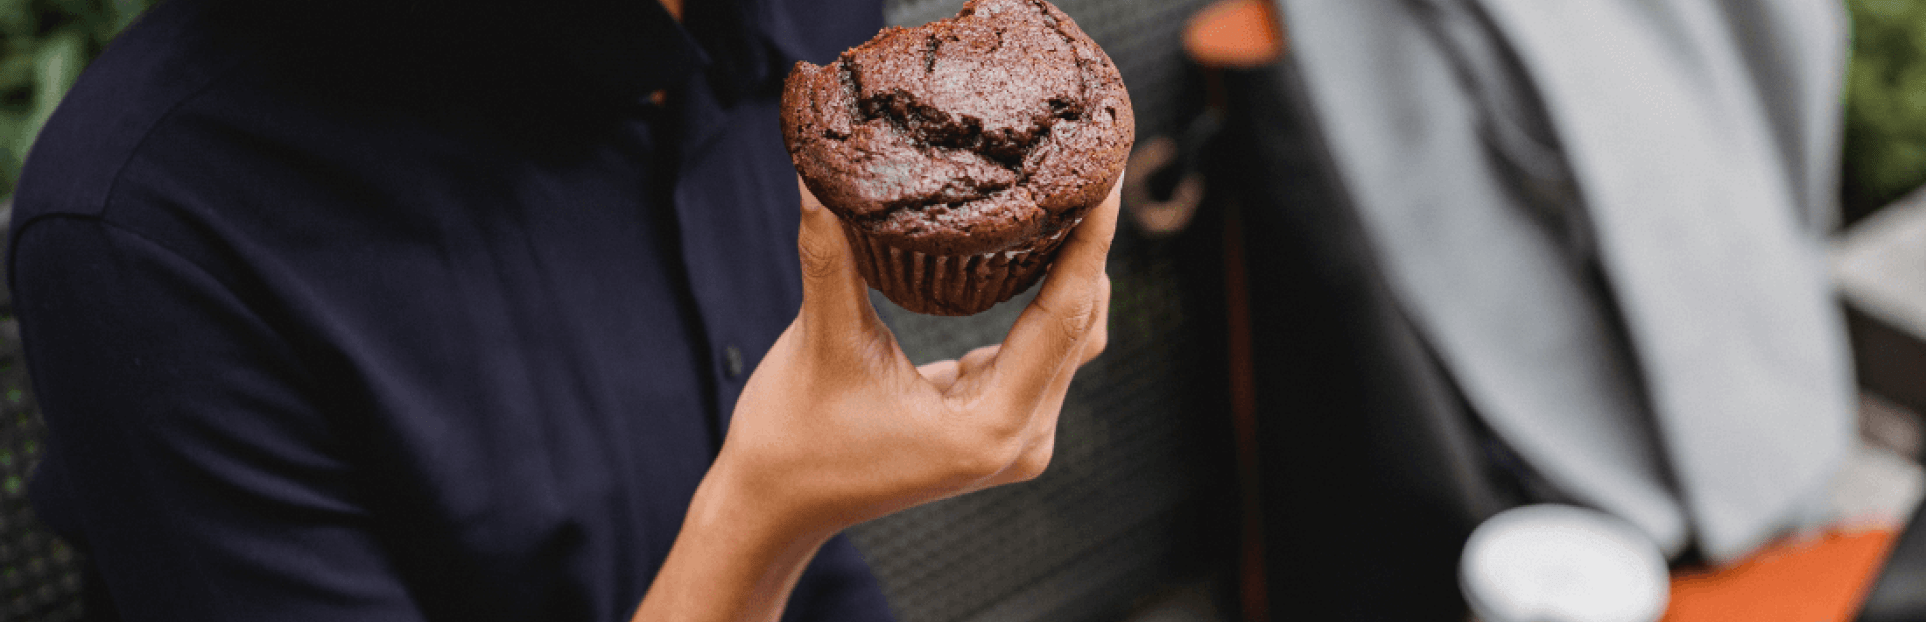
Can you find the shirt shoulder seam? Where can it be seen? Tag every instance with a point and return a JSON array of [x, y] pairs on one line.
[[107, 224], [147, 133], [106, 201]]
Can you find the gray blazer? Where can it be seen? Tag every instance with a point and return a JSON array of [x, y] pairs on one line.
[[1608, 228]]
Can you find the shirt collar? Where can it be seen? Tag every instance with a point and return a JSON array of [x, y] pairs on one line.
[[627, 48]]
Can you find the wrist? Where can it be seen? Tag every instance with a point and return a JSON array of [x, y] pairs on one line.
[[755, 519], [735, 558]]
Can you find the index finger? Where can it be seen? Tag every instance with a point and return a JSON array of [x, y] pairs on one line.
[[1052, 329]]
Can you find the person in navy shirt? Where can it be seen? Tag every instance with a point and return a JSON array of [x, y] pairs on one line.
[[483, 311]]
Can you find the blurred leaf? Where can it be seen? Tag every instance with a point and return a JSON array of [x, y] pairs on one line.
[[11, 126], [72, 7], [1885, 93], [1883, 9], [44, 44], [16, 71], [17, 18], [56, 65], [122, 14]]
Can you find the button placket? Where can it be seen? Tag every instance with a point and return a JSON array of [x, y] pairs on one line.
[[732, 362]]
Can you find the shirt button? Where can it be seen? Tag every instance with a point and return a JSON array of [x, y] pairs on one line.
[[732, 361]]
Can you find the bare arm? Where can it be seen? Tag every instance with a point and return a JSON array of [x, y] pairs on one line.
[[837, 427]]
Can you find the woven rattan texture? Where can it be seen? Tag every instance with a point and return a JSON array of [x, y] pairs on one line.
[[1127, 503], [1127, 506]]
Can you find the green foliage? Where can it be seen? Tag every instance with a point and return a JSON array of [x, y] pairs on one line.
[[1885, 154], [43, 46]]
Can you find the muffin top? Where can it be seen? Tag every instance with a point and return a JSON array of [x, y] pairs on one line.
[[967, 135]]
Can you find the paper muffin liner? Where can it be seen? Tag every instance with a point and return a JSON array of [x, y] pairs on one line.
[[952, 285]]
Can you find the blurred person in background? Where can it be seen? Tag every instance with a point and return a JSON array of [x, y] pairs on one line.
[[1506, 252], [449, 311]]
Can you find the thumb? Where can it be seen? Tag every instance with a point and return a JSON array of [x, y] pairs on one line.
[[834, 294]]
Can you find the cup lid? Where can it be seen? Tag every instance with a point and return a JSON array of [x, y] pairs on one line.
[[1559, 563]]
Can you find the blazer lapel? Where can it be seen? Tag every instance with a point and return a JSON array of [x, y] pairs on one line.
[[1489, 285], [1698, 227]]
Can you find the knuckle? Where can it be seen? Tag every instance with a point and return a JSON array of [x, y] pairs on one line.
[[1099, 339], [1076, 323], [1071, 328], [978, 454], [1001, 435], [818, 258], [1034, 463], [986, 462]]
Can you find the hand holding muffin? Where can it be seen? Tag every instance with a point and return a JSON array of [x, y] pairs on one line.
[[957, 163], [836, 426], [884, 434]]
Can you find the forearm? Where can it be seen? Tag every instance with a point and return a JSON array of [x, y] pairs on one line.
[[734, 560]]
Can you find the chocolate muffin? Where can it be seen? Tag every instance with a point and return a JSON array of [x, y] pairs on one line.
[[960, 153]]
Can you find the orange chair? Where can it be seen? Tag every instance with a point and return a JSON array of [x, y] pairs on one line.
[[1820, 579]]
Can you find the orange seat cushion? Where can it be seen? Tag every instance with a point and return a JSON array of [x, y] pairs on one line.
[[1235, 33], [1821, 579]]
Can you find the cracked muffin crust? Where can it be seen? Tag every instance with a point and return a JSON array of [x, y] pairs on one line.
[[959, 153]]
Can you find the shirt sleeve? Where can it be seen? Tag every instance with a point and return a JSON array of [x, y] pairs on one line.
[[187, 448]]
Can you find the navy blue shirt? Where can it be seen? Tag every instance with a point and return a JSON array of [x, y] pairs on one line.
[[338, 315]]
